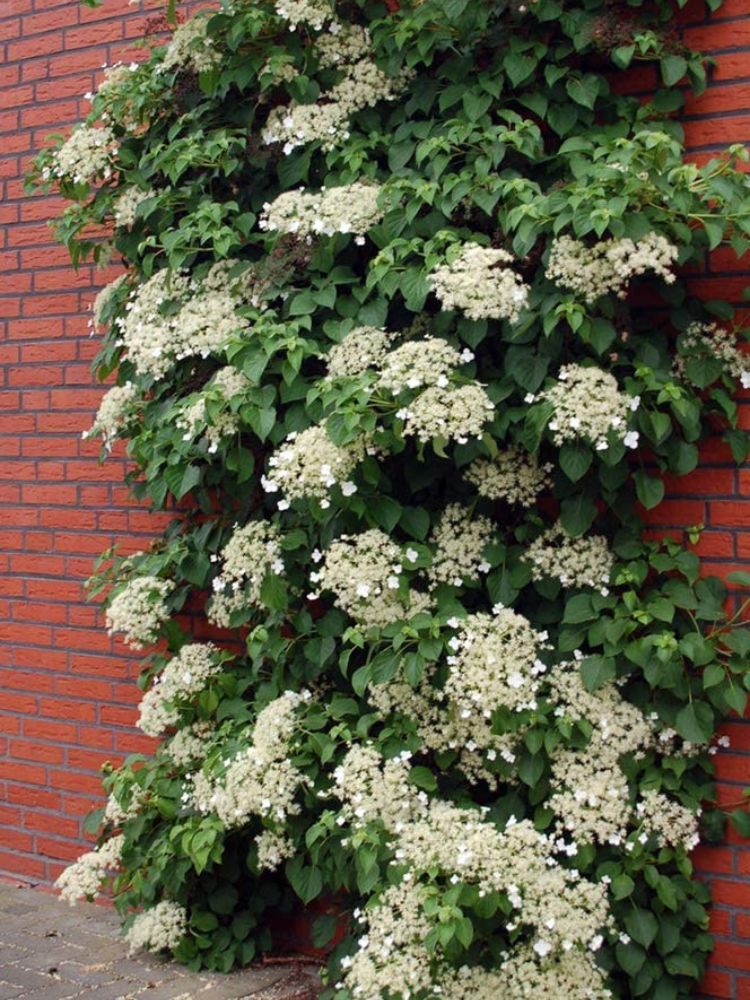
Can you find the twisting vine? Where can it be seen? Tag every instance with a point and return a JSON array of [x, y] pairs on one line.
[[404, 327]]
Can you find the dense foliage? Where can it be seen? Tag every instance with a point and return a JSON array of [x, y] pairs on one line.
[[404, 329]]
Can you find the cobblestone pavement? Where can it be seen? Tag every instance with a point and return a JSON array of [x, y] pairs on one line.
[[50, 951]]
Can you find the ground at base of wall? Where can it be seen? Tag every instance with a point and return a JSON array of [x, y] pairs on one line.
[[50, 951]]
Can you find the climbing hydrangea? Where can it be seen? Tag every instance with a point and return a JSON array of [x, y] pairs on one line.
[[459, 540], [365, 572], [352, 208], [183, 677], [575, 562], [709, 341], [227, 386], [495, 663], [251, 555], [84, 878], [478, 284], [380, 376], [159, 928], [451, 413], [512, 475], [608, 267], [86, 155], [139, 610], [589, 405], [346, 47], [115, 412], [310, 464], [191, 48], [362, 348], [126, 207], [260, 780]]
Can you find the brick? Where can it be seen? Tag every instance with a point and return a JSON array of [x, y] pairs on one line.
[[717, 985]]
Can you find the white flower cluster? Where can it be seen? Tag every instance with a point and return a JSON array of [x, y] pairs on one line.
[[565, 912], [191, 48], [126, 206], [563, 909], [609, 266], [115, 77], [460, 539], [184, 676], [85, 155], [83, 879], [351, 208], [114, 413], [450, 413], [313, 13], [188, 744], [713, 341], [273, 849], [364, 572], [591, 793], [260, 781], [373, 790], [309, 464], [572, 974], [160, 928], [201, 325], [117, 812], [673, 824], [575, 562], [512, 475], [227, 384], [494, 664], [589, 406], [102, 300], [346, 47], [362, 348], [140, 610], [443, 727], [251, 554], [441, 409], [420, 363], [478, 284], [393, 958]]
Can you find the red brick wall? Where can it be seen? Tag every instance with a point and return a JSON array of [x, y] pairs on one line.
[[66, 691]]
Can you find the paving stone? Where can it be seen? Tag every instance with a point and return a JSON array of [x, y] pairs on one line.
[[50, 951], [9, 992]]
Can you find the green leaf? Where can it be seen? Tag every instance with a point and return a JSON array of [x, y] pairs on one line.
[[575, 460], [324, 929], [416, 521], [579, 608], [673, 69], [642, 926], [630, 957], [577, 514], [597, 671], [531, 767], [385, 511], [306, 881], [423, 777], [273, 593], [622, 886], [695, 722], [518, 67], [650, 489], [583, 90]]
